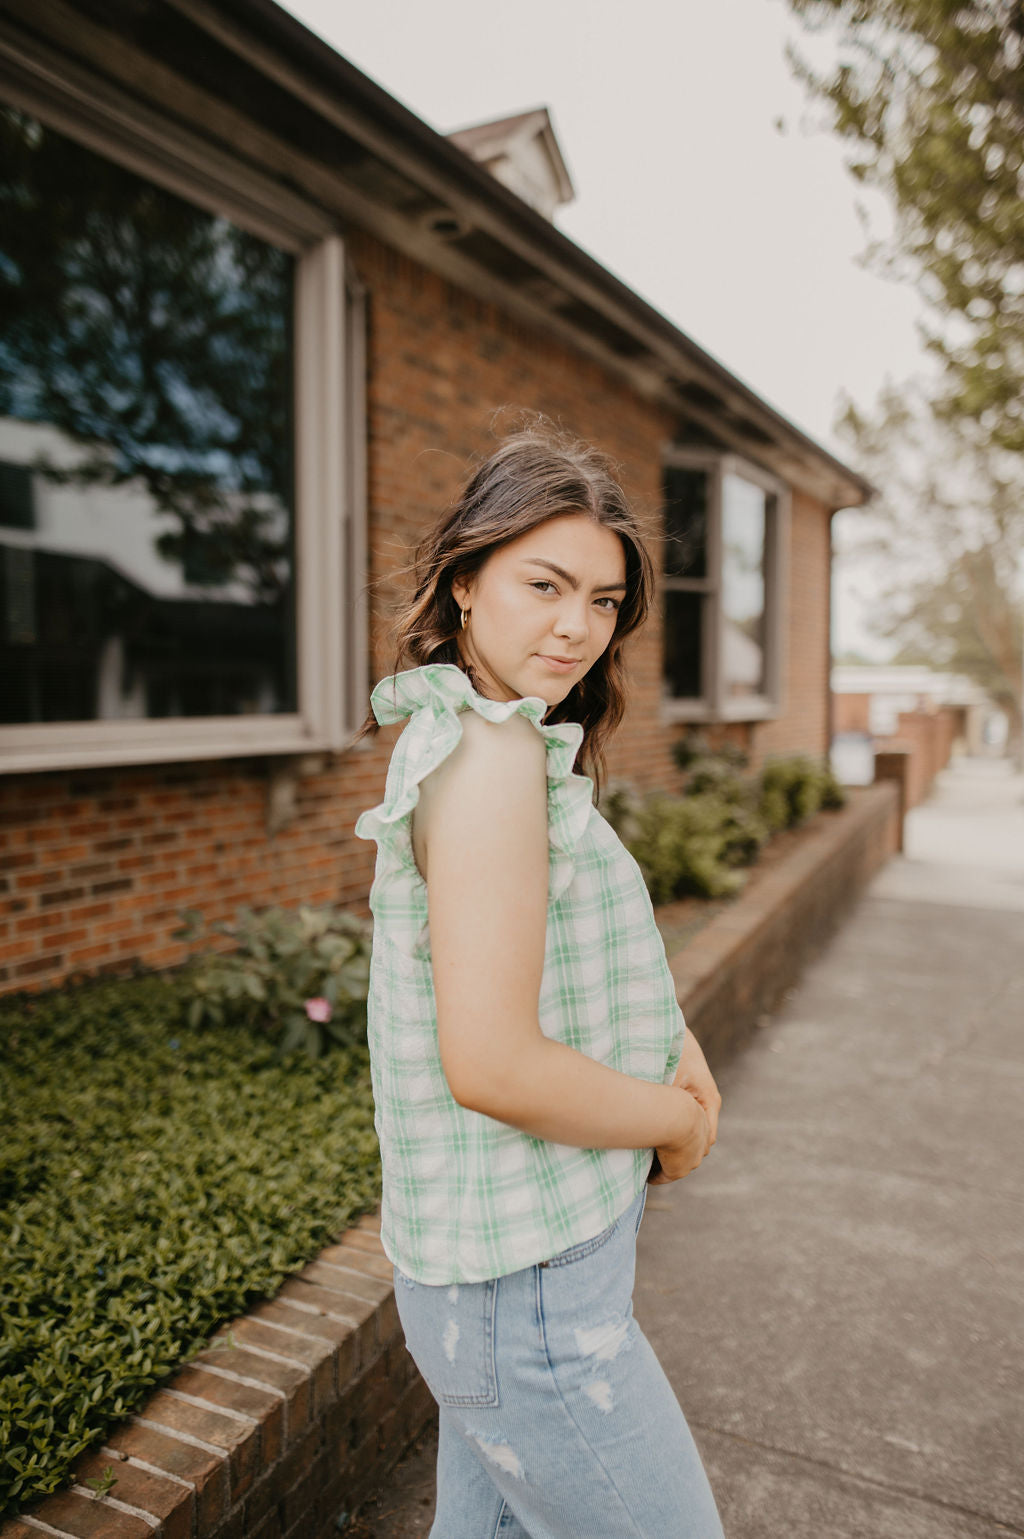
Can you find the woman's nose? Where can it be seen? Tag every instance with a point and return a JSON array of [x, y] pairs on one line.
[[572, 621]]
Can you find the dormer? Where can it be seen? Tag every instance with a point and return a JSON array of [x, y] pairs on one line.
[[522, 152]]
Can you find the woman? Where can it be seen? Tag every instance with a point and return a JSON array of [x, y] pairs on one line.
[[528, 1052]]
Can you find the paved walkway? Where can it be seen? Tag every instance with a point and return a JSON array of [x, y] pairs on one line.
[[838, 1294]]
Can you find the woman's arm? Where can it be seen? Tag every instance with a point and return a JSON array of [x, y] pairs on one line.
[[480, 837]]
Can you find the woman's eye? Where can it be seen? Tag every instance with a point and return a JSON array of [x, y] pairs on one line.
[[543, 583], [612, 603]]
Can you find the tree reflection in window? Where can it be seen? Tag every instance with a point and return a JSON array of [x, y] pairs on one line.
[[146, 382]]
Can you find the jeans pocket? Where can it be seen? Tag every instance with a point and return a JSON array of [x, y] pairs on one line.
[[584, 1248], [450, 1335]]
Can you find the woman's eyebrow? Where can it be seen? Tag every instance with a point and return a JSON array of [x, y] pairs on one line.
[[601, 587]]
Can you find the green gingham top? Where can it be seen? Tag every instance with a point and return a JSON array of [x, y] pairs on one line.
[[466, 1197]]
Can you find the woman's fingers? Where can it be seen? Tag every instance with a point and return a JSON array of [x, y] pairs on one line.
[[693, 1075]]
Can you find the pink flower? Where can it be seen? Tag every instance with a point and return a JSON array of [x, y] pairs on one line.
[[319, 1010]]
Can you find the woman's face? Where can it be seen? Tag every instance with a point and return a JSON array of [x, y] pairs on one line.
[[543, 608]]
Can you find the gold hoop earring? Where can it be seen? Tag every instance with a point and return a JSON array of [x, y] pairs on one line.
[[465, 618]]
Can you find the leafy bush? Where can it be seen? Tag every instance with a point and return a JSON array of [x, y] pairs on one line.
[[681, 848], [794, 789], [743, 830], [154, 1180], [693, 843], [300, 975], [694, 747], [622, 806]]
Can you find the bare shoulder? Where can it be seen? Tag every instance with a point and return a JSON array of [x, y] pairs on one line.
[[486, 740], [496, 768]]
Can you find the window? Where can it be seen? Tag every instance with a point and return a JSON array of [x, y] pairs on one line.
[[721, 579], [182, 535]]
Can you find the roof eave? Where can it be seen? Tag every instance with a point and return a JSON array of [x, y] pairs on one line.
[[666, 364]]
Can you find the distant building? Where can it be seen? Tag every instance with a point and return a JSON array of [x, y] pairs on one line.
[[870, 697]]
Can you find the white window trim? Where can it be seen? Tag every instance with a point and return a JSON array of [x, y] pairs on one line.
[[330, 464], [713, 705]]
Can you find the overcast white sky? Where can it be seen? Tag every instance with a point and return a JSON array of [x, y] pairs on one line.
[[745, 237]]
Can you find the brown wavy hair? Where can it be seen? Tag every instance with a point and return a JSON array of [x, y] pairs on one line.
[[533, 475]]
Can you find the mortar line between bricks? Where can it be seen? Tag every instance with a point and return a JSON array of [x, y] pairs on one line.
[[44, 1528], [327, 1314], [241, 1378], [144, 1464], [119, 1505], [274, 1357], [349, 1271], [894, 1487], [183, 1437], [287, 1330], [207, 1405], [346, 1293], [309, 1309]]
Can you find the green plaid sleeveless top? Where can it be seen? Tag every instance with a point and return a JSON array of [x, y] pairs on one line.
[[465, 1197]]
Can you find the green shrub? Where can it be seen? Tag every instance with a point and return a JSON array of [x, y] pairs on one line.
[[622, 806], [693, 843], [693, 747], [744, 831], [682, 847], [794, 789], [155, 1179], [716, 775], [299, 975]]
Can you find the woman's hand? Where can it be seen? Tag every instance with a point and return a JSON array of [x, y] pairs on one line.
[[694, 1078], [693, 1074], [674, 1160]]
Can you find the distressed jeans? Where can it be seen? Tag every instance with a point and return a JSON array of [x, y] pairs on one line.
[[556, 1419]]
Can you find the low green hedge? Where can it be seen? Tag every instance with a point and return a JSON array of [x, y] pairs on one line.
[[694, 843], [154, 1180]]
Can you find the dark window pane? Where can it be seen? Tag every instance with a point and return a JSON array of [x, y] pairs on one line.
[[686, 522], [146, 527], [744, 520], [17, 499], [684, 645]]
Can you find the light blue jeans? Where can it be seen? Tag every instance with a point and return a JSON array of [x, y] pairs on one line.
[[557, 1421]]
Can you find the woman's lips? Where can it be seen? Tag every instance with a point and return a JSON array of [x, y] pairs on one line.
[[559, 664]]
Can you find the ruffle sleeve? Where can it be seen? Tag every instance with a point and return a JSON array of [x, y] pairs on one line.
[[433, 697]]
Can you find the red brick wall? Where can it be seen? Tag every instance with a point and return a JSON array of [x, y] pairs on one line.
[[852, 713], [929, 735], [95, 866]]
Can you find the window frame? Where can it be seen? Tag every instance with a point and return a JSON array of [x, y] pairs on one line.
[[331, 635], [713, 705]]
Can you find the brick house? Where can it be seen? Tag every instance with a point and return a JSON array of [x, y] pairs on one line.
[[262, 317]]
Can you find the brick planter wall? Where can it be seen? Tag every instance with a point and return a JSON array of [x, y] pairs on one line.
[[739, 966], [287, 1424]]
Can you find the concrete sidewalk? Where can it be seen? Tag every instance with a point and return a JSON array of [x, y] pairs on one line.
[[838, 1294]]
